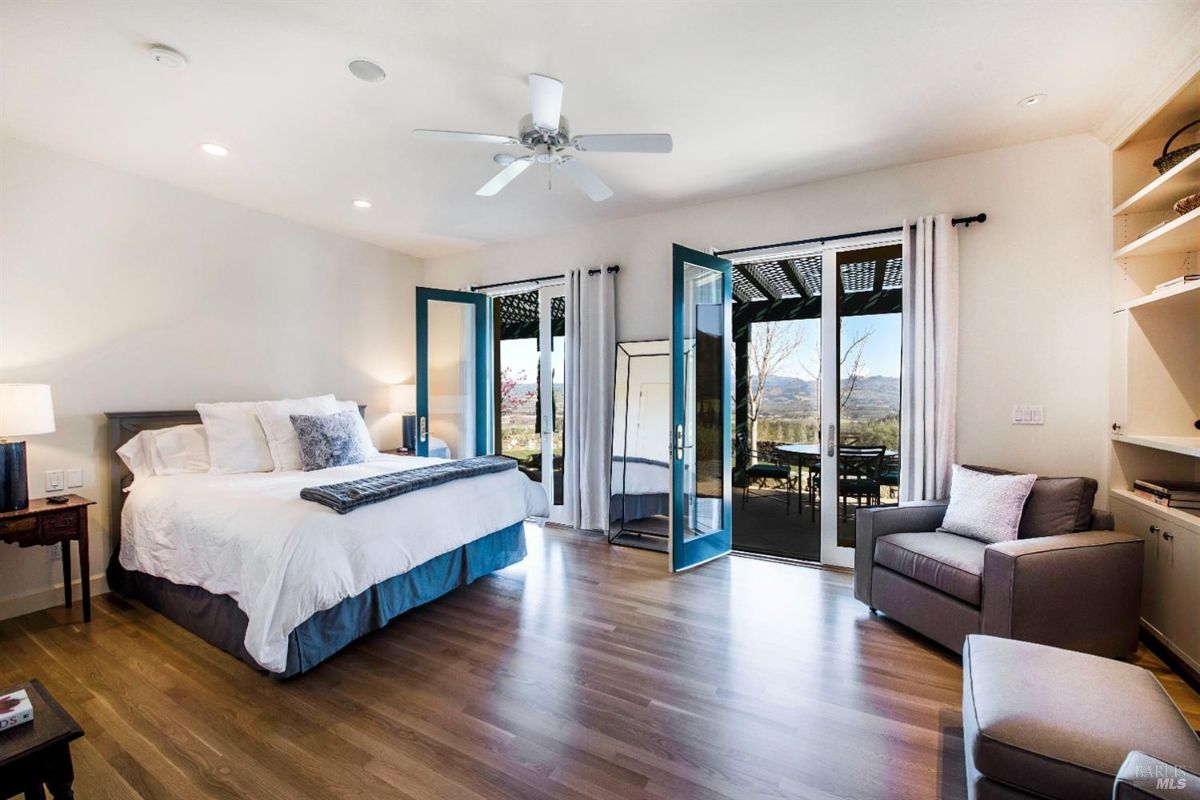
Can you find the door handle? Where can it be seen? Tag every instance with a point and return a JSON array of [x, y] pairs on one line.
[[831, 446], [679, 442], [424, 430]]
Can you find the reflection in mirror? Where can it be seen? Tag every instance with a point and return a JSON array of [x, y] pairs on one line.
[[641, 473]]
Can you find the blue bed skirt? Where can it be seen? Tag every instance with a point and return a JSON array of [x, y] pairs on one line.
[[218, 620]]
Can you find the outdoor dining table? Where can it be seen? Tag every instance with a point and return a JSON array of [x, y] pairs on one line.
[[809, 455]]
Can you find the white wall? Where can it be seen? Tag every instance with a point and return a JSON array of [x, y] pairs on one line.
[[1034, 280], [126, 294]]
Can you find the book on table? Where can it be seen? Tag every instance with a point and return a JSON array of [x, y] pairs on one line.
[[15, 709]]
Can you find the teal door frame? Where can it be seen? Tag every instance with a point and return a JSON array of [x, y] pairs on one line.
[[482, 364], [687, 552]]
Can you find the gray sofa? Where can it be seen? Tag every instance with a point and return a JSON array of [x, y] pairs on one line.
[[1068, 581], [1043, 722]]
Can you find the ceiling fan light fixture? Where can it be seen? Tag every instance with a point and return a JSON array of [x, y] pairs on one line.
[[214, 149], [361, 203], [366, 70]]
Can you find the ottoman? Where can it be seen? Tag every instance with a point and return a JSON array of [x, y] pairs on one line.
[[1043, 722]]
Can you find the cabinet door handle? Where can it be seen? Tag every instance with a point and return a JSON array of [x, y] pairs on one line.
[[1168, 535], [1154, 529]]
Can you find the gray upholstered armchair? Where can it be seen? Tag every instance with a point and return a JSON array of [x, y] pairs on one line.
[[1079, 590]]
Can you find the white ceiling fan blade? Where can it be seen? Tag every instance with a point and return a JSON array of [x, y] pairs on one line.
[[546, 94], [504, 177], [585, 179], [624, 143], [464, 136]]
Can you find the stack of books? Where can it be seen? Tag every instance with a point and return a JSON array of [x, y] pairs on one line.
[[1173, 494]]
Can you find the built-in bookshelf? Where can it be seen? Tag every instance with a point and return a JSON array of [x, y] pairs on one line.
[[1155, 400]]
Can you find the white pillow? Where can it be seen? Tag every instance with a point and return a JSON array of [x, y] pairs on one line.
[[364, 435], [135, 454], [275, 418], [174, 451], [236, 442], [984, 506]]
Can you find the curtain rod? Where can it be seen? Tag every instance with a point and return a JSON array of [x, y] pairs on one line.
[[475, 288], [981, 217]]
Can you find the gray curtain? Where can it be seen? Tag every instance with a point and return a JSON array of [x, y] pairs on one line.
[[929, 361], [591, 343]]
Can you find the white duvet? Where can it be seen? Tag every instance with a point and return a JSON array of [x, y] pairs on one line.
[[282, 559], [636, 477]]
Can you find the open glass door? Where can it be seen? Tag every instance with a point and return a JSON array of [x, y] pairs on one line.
[[452, 373], [701, 413]]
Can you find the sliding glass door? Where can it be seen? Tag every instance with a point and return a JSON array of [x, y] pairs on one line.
[[452, 373], [701, 394]]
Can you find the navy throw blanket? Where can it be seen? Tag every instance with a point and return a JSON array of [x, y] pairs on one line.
[[345, 497]]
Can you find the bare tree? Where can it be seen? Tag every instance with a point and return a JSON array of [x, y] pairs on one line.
[[771, 344]]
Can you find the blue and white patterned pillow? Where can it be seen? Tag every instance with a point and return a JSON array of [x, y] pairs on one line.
[[330, 440]]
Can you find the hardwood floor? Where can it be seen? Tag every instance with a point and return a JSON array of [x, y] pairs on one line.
[[585, 671]]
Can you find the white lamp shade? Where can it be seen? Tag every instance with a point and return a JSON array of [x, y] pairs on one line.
[[402, 398], [25, 409]]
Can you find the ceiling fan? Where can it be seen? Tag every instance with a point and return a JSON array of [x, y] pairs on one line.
[[547, 136]]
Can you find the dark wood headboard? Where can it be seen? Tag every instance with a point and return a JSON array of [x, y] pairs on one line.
[[123, 426]]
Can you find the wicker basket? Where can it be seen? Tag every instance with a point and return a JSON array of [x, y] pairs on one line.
[[1188, 204], [1170, 159]]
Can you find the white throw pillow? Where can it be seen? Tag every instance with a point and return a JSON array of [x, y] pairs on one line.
[[986, 507], [136, 456], [236, 442], [178, 450], [364, 436], [275, 418]]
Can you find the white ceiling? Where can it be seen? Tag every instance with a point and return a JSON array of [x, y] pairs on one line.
[[758, 95]]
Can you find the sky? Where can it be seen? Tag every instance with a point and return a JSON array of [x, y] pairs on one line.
[[881, 354]]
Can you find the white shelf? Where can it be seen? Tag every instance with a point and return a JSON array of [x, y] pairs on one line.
[[1180, 235], [1179, 295], [1183, 445], [1162, 193], [1189, 519]]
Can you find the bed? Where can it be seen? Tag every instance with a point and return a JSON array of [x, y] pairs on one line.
[[641, 488], [284, 583]]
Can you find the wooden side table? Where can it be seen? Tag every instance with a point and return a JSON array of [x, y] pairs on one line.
[[38, 753], [45, 524]]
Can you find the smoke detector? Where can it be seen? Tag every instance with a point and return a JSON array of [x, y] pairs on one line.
[[167, 57], [366, 70]]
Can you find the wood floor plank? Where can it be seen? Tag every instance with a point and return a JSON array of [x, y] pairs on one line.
[[586, 671]]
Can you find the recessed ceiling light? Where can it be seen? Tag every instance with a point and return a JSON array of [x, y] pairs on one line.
[[362, 203], [366, 70], [167, 57], [1031, 101], [214, 149]]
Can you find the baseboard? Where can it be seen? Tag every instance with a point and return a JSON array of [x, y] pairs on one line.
[[1169, 657], [49, 597]]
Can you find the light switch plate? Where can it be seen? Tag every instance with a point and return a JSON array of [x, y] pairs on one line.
[[56, 551], [1028, 415], [54, 480], [74, 478]]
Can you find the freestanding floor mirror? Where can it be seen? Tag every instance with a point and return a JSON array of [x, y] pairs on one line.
[[641, 474]]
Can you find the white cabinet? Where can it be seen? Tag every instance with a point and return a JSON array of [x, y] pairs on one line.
[[1171, 573]]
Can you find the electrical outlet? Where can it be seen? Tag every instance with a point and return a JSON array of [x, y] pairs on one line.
[[74, 478], [1028, 415], [54, 480], [56, 551]]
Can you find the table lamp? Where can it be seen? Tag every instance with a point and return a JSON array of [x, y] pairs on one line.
[[25, 410], [402, 399]]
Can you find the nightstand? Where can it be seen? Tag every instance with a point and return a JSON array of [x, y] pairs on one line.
[[44, 523]]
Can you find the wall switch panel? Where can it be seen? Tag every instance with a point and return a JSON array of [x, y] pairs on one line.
[[74, 478], [54, 480], [1028, 415], [55, 551]]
